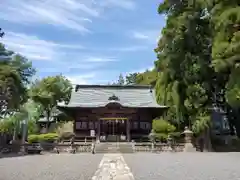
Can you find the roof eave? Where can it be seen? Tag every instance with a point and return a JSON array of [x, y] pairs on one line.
[[77, 106]]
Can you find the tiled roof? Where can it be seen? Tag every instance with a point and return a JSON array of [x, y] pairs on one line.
[[101, 95]]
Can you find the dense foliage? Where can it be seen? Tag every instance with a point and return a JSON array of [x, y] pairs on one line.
[[49, 137], [15, 74], [1, 33], [184, 62], [49, 92], [162, 129], [22, 101], [197, 68], [197, 64], [198, 57]]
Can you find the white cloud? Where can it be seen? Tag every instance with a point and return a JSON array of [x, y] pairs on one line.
[[81, 79], [145, 68], [128, 48], [72, 14], [139, 35], [35, 48], [125, 4], [141, 70], [147, 35], [100, 59]]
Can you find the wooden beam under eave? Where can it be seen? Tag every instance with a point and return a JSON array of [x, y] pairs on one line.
[[104, 110], [114, 118]]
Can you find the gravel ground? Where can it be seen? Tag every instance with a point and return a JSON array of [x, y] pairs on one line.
[[50, 167], [184, 166]]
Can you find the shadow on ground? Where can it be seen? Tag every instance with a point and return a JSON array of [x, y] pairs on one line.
[[12, 155]]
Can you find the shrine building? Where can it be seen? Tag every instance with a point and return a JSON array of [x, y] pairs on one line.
[[113, 112]]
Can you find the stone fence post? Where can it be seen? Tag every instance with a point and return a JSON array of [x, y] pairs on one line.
[[133, 145], [188, 147]]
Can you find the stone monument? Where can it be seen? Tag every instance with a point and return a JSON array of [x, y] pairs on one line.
[[169, 143], [188, 141]]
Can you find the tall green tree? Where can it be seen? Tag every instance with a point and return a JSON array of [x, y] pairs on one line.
[[226, 55], [50, 91], [184, 59], [121, 80], [131, 78], [15, 74], [147, 77], [1, 33]]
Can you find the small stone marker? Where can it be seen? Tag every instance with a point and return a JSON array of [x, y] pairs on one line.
[[92, 133]]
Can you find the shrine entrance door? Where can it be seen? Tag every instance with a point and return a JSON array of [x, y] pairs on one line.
[[113, 129]]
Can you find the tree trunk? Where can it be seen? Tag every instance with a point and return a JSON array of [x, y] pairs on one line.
[[207, 144], [48, 120], [15, 131]]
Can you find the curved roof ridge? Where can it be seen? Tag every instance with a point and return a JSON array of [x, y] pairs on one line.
[[100, 95], [77, 86]]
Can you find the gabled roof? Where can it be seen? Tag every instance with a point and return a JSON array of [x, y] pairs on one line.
[[102, 95]]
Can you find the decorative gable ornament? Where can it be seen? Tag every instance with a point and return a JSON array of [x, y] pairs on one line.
[[113, 98]]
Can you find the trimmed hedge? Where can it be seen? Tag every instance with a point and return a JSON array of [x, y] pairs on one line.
[[49, 137]]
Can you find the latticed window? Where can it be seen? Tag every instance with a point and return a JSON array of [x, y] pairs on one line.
[[81, 125], [91, 125], [145, 125], [135, 125], [148, 125], [84, 125]]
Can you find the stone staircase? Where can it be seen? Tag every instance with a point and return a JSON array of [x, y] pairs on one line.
[[113, 148]]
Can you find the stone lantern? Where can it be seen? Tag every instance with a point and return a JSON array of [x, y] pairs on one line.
[[188, 140], [152, 138], [169, 140]]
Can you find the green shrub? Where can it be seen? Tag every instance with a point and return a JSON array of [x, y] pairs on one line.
[[161, 137], [162, 129], [162, 126], [33, 138], [49, 137], [176, 135]]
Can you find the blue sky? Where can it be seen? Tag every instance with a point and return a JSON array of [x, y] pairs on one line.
[[88, 41]]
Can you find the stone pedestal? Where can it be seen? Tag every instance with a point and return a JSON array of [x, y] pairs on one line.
[[188, 141], [22, 150], [72, 150], [133, 145]]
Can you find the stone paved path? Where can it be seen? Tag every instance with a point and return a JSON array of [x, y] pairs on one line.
[[143, 166], [113, 167]]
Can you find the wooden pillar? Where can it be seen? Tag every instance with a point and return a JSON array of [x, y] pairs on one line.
[[128, 130], [98, 130], [74, 123]]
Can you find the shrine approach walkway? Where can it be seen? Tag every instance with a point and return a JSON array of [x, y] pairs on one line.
[[137, 166]]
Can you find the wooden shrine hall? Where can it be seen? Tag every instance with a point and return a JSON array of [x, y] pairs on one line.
[[113, 112]]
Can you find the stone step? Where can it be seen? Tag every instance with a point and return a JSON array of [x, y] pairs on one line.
[[113, 148]]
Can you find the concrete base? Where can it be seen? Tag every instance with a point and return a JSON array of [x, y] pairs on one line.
[[189, 148], [169, 149], [71, 150]]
